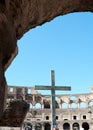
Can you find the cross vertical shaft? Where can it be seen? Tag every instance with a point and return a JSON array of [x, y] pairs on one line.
[[53, 88], [53, 98]]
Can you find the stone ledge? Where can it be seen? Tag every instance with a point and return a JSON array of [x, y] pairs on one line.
[[9, 128]]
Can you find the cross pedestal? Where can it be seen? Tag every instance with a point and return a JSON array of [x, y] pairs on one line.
[[52, 88]]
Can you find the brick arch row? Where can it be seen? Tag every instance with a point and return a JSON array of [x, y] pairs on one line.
[[64, 126], [36, 100]]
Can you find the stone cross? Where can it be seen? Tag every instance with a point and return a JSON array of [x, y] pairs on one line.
[[53, 88]]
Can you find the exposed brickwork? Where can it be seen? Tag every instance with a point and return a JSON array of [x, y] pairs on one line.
[[18, 16], [14, 114], [70, 108]]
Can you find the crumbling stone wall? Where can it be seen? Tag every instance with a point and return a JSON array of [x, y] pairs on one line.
[[14, 114], [71, 108], [18, 16]]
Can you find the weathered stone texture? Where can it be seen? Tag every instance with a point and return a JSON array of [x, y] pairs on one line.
[[70, 108], [21, 15], [14, 114], [7, 37], [30, 13], [18, 16]]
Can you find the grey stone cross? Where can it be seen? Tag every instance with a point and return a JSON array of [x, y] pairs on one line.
[[53, 88]]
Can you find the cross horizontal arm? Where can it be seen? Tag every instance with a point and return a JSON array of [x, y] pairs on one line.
[[62, 88], [41, 87]]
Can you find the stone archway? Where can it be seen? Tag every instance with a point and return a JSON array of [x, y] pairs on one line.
[[27, 126], [47, 126], [85, 125], [66, 126], [76, 126], [46, 105], [38, 126]]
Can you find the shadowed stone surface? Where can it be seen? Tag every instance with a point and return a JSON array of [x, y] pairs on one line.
[[15, 113], [18, 16]]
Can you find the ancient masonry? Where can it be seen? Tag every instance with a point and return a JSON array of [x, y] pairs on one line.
[[73, 111], [16, 18]]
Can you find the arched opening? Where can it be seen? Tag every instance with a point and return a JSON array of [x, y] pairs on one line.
[[85, 125], [10, 97], [37, 98], [27, 126], [47, 117], [20, 97], [66, 126], [83, 105], [46, 105], [28, 98], [91, 103], [11, 90], [47, 126], [73, 105], [28, 90], [76, 126], [38, 126], [73, 98], [38, 106], [64, 105]]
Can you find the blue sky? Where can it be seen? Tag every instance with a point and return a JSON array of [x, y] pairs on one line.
[[65, 45]]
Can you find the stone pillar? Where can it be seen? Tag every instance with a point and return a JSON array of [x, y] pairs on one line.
[[78, 105], [33, 105], [33, 98], [60, 106], [69, 105], [43, 116], [51, 106], [60, 127], [91, 126], [80, 125], [3, 88], [87, 104], [42, 106], [71, 126], [79, 117], [42, 126], [23, 93], [33, 127]]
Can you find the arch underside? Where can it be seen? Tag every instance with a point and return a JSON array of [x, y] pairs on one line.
[[24, 15], [34, 13]]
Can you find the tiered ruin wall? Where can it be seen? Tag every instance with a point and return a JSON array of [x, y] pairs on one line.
[[70, 108]]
